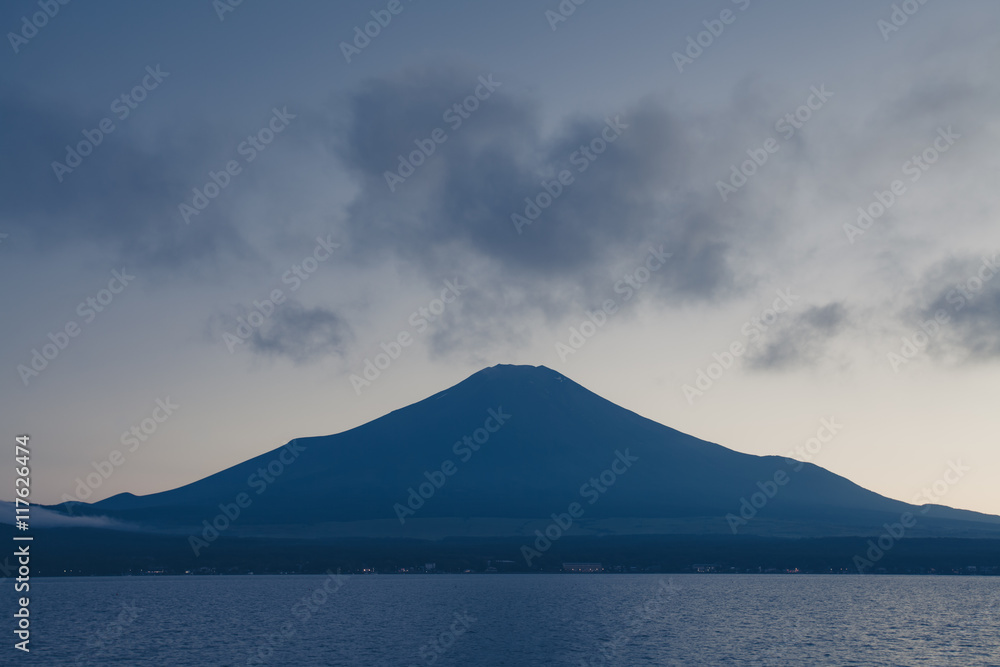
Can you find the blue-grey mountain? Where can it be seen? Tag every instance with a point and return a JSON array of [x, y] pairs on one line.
[[501, 452]]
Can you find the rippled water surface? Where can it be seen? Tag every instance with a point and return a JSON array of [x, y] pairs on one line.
[[512, 620]]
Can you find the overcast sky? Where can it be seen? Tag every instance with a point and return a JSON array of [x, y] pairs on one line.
[[676, 169]]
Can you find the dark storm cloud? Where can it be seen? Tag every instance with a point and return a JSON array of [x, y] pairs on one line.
[[302, 334], [653, 184], [457, 207], [800, 339], [119, 196], [967, 291]]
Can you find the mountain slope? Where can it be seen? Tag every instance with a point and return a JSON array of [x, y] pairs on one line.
[[552, 441]]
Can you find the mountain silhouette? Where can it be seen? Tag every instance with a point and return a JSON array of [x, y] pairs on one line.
[[501, 452]]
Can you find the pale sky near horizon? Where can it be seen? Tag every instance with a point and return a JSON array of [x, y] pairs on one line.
[[842, 105]]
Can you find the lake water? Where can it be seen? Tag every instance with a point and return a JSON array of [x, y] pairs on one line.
[[511, 620]]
